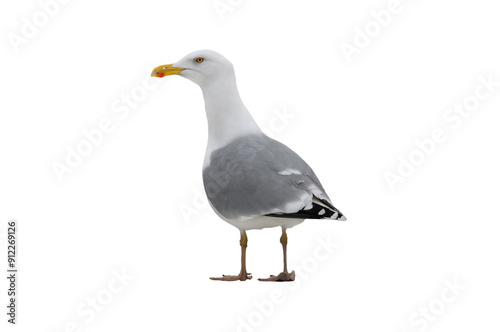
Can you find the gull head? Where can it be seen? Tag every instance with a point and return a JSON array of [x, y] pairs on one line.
[[201, 67]]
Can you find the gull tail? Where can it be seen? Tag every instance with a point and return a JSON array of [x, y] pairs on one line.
[[330, 211], [321, 209]]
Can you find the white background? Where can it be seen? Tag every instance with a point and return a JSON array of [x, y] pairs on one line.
[[120, 208]]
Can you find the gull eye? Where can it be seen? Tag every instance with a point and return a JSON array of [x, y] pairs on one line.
[[199, 59]]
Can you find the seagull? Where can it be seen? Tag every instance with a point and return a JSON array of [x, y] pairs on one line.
[[251, 180]]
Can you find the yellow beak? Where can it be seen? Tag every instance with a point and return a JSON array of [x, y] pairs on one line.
[[166, 70]]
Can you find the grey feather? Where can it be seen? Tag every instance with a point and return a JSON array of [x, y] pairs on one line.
[[249, 178]]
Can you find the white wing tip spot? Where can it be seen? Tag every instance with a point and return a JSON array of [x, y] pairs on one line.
[[322, 212], [289, 171]]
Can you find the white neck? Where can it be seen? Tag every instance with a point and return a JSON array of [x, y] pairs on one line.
[[227, 117]]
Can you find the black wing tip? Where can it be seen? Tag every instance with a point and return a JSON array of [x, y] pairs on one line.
[[316, 212]]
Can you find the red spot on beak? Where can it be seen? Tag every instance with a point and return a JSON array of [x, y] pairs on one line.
[[160, 74]]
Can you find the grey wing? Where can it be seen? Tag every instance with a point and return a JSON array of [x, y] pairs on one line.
[[258, 176]]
